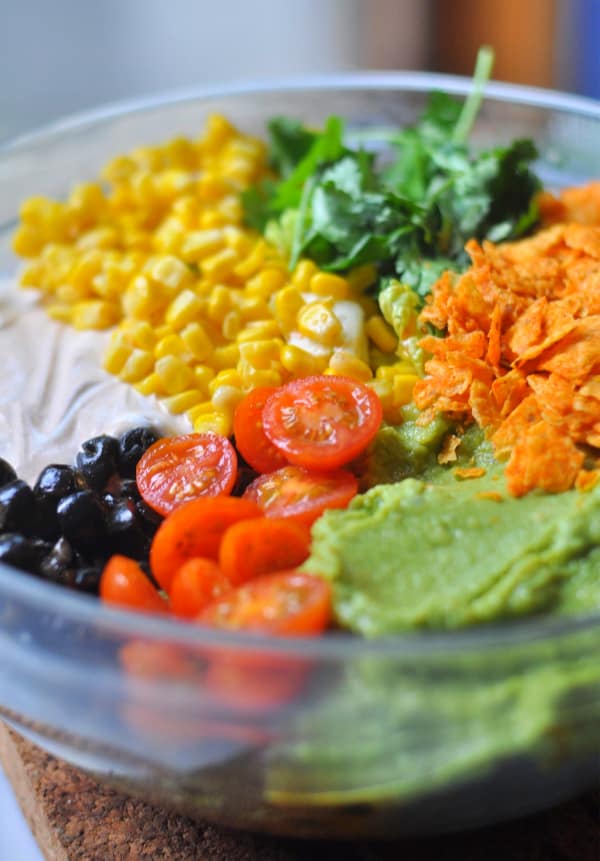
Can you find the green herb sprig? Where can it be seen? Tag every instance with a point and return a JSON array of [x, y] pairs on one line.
[[412, 217]]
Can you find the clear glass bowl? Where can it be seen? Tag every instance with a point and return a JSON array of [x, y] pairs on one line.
[[337, 736]]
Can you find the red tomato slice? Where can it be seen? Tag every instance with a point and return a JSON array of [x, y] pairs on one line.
[[287, 603], [124, 583], [177, 469], [250, 439], [301, 494], [195, 530], [322, 422]]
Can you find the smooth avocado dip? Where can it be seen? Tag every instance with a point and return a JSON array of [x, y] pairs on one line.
[[446, 551]]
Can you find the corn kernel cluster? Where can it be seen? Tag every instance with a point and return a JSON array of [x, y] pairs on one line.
[[204, 309]]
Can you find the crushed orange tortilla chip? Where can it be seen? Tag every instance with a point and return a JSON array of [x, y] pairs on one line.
[[521, 356], [463, 473]]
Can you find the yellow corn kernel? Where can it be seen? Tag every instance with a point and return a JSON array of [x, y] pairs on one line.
[[253, 309], [402, 388], [33, 211], [142, 298], [173, 183], [265, 283], [171, 272], [32, 275], [185, 308], [253, 261], [136, 240], [202, 409], [94, 314], [383, 389], [197, 341], [88, 199], [288, 303], [220, 302], [232, 324], [226, 377], [201, 243], [239, 240], [143, 335], [369, 306], [99, 237], [320, 323], [212, 220], [225, 357], [259, 330], [226, 398], [27, 241], [68, 295], [170, 236], [327, 284], [252, 377], [151, 385], [300, 363], [214, 422], [217, 132], [219, 265], [183, 401], [86, 267], [137, 367], [348, 365], [389, 372], [211, 187], [117, 353], [230, 209], [171, 345], [203, 374], [382, 335], [302, 274], [261, 354], [175, 374], [62, 313], [362, 277]]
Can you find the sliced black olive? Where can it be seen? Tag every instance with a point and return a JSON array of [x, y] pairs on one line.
[[58, 565], [18, 510], [151, 519], [7, 473], [55, 481], [21, 552], [82, 519], [87, 579], [98, 460], [129, 489], [126, 533], [132, 445]]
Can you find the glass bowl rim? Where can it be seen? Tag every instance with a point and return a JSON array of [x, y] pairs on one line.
[[47, 597]]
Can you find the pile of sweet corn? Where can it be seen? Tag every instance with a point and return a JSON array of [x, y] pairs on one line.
[[204, 309]]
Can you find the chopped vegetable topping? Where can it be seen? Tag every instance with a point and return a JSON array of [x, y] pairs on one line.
[[522, 353]]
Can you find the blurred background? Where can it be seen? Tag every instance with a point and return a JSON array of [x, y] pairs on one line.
[[69, 55]]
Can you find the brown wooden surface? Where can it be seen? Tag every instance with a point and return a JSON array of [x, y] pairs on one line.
[[75, 819]]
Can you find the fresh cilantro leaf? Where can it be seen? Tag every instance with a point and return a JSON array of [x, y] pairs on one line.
[[411, 218], [289, 142]]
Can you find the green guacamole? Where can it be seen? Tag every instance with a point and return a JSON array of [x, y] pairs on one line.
[[444, 552]]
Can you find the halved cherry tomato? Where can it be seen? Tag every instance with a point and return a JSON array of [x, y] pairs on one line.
[[124, 583], [178, 469], [195, 530], [287, 603], [301, 494], [250, 439], [251, 548], [253, 682], [322, 422], [198, 583]]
